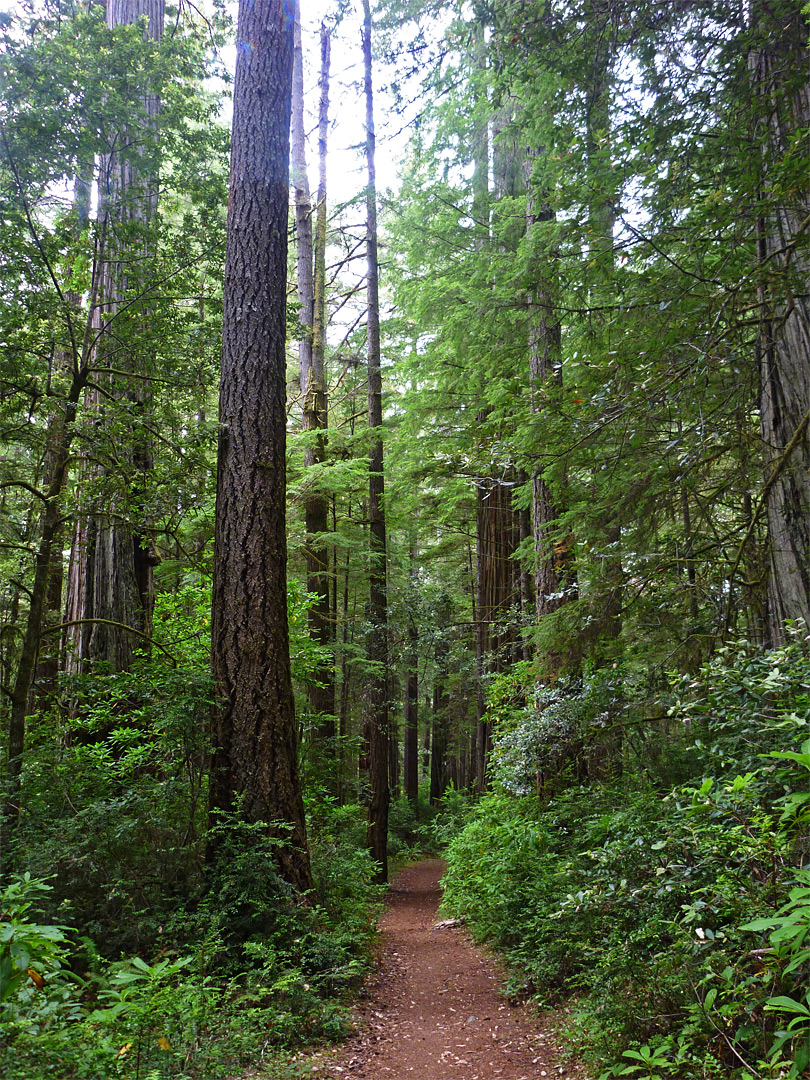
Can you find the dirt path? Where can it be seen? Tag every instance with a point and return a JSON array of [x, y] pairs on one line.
[[436, 1011]]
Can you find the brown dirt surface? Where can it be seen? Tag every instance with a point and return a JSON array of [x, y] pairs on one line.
[[436, 1010]]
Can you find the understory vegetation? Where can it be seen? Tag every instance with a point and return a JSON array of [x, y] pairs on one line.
[[470, 514], [120, 954], [668, 904]]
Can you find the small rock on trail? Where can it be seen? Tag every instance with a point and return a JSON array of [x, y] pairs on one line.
[[436, 1011]]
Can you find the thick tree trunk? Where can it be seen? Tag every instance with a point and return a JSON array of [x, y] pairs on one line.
[[779, 72], [254, 771], [527, 602], [110, 584], [496, 592], [553, 577], [376, 719]]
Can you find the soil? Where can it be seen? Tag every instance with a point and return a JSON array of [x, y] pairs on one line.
[[437, 1010]]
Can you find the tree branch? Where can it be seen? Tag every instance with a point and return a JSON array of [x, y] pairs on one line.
[[110, 622]]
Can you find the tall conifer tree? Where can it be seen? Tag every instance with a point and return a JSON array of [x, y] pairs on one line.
[[254, 770], [376, 703]]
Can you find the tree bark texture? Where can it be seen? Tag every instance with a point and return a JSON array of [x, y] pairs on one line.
[[779, 71], [254, 771], [553, 576], [312, 297], [376, 698], [440, 734], [411, 742], [527, 602], [61, 430], [497, 589], [319, 306], [602, 185], [50, 655], [303, 213], [111, 564]]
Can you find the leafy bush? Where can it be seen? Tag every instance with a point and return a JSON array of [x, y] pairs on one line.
[[260, 972], [177, 967], [441, 824], [641, 904], [33, 983]]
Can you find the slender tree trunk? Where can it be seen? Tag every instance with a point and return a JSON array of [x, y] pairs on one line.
[[481, 216], [51, 646], [303, 213], [311, 352], [411, 748], [602, 219], [345, 670], [376, 720], [319, 307], [426, 740], [393, 751], [439, 739], [254, 771], [61, 430]]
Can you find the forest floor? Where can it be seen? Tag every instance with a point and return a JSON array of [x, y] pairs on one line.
[[436, 1010]]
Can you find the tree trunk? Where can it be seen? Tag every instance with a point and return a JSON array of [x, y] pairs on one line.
[[779, 75], [553, 577], [303, 213], [51, 649], [110, 584], [411, 748], [311, 353], [254, 770], [439, 740], [496, 592], [61, 430], [376, 719], [527, 602], [602, 185]]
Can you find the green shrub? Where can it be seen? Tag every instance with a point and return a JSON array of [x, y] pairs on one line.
[[639, 904]]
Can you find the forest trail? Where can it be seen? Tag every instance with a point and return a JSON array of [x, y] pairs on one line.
[[436, 1010]]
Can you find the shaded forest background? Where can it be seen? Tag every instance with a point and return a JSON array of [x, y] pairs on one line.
[[547, 529]]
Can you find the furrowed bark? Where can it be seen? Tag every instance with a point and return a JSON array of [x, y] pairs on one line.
[[411, 746], [376, 698], [254, 770], [110, 575], [316, 419], [779, 75]]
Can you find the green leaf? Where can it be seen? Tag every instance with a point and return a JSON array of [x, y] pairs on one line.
[[786, 1004], [760, 924]]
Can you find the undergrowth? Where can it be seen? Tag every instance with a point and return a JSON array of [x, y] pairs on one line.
[[674, 917], [122, 954]]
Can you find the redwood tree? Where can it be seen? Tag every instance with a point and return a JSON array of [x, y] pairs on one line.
[[110, 582], [376, 718], [254, 768], [779, 75]]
